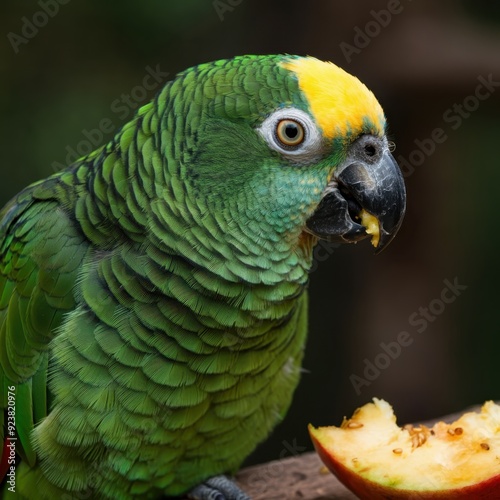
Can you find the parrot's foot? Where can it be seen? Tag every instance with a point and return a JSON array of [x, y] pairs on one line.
[[217, 488]]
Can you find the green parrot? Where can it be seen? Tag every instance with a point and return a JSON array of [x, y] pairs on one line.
[[153, 302]]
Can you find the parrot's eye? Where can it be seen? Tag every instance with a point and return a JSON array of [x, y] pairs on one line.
[[293, 133], [290, 133]]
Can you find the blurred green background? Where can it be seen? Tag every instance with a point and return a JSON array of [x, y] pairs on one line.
[[65, 84]]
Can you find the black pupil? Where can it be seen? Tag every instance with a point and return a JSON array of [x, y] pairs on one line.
[[291, 130]]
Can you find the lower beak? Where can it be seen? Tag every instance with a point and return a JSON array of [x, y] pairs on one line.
[[366, 196]]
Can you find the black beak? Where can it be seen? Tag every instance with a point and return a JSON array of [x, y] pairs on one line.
[[367, 186]]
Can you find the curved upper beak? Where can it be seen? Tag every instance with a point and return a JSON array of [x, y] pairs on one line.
[[366, 196]]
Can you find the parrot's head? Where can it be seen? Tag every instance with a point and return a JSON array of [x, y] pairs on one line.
[[290, 149], [363, 193]]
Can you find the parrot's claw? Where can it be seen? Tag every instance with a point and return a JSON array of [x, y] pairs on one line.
[[217, 488]]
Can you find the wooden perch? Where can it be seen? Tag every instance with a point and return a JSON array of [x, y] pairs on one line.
[[303, 476]]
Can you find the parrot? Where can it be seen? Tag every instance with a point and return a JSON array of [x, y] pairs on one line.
[[153, 294]]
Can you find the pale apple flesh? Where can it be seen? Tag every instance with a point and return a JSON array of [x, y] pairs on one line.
[[376, 459], [372, 226]]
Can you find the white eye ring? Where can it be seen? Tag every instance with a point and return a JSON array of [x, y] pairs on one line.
[[306, 150]]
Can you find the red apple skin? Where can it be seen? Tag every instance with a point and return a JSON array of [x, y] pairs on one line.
[[369, 490]]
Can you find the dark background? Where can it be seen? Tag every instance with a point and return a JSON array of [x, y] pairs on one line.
[[423, 62]]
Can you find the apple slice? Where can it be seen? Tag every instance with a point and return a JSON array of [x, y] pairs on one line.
[[376, 459]]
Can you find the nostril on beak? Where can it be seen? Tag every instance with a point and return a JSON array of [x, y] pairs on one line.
[[370, 150]]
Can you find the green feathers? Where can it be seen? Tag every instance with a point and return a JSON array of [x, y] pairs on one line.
[[152, 295]]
